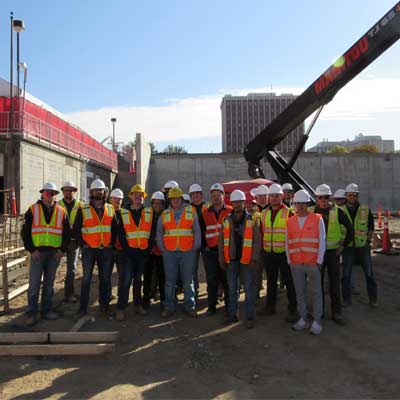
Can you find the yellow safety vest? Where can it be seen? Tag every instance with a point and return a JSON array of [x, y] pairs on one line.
[[275, 234], [360, 225], [78, 204]]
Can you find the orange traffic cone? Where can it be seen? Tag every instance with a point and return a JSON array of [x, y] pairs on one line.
[[13, 203], [386, 243], [380, 218]]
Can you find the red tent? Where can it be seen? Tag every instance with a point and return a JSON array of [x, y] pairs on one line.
[[244, 186]]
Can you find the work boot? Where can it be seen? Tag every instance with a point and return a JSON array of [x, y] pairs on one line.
[[300, 325], [338, 318], [30, 320], [166, 313], [120, 315], [250, 323], [140, 311], [51, 316], [316, 328]]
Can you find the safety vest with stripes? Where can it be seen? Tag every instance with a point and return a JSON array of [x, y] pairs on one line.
[[335, 234], [214, 225], [72, 216], [44, 234], [97, 233], [360, 225], [138, 236], [178, 237], [247, 240], [303, 243], [274, 233]]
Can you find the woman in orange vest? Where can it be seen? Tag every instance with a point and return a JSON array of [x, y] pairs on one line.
[[239, 250], [305, 248]]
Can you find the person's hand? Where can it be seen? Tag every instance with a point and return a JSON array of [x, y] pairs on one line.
[[35, 255], [339, 251]]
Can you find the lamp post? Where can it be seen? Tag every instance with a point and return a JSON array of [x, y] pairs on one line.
[[18, 26], [113, 121]]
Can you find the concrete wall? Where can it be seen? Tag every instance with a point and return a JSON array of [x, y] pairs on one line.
[[376, 174], [143, 155]]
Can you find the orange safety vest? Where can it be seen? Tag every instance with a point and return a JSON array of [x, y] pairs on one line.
[[138, 236], [44, 234], [214, 225], [97, 233], [178, 237], [247, 240], [303, 243]]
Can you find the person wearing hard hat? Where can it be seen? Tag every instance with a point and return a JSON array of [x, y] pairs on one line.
[[71, 205], [288, 194], [186, 199], [92, 231], [179, 237], [336, 223], [261, 195], [362, 221], [116, 198], [239, 249], [273, 228], [340, 197], [46, 233], [213, 217], [251, 205], [154, 264], [305, 249], [168, 185], [135, 236]]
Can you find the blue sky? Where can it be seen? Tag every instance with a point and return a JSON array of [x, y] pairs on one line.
[[167, 64]]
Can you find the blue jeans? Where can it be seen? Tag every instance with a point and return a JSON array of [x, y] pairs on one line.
[[363, 254], [45, 266], [72, 260], [133, 267], [104, 258], [119, 260], [183, 263], [233, 271]]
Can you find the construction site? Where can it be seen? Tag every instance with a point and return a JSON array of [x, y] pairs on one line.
[[147, 356]]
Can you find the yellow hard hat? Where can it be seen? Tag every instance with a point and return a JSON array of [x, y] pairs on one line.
[[174, 193], [138, 188]]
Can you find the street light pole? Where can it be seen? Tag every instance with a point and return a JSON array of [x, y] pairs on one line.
[[113, 120], [18, 26]]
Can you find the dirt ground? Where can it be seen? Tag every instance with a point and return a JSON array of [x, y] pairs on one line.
[[200, 358]]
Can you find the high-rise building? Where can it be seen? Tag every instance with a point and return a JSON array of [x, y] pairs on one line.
[[243, 118]]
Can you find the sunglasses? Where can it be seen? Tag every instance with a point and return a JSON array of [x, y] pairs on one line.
[[323, 197]]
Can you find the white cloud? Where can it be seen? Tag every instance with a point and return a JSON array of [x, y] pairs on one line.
[[362, 99]]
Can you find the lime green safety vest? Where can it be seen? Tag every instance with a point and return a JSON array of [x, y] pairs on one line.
[[78, 204], [360, 225], [274, 234]]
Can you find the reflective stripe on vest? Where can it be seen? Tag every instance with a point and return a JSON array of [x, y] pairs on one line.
[[213, 226], [97, 233], [303, 243], [178, 237], [274, 234], [138, 236], [78, 204], [247, 241], [43, 234], [360, 225], [334, 236]]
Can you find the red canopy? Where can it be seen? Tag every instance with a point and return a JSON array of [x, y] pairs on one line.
[[244, 186]]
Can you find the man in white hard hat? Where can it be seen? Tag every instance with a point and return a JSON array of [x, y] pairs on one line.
[[261, 195], [239, 250], [46, 234], [305, 249], [213, 217], [154, 264], [288, 193], [92, 231], [71, 205], [340, 197], [336, 223], [362, 220], [273, 227]]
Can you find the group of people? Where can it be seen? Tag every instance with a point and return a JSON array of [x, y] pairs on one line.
[[270, 229]]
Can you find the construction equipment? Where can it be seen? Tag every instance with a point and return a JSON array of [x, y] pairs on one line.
[[368, 48]]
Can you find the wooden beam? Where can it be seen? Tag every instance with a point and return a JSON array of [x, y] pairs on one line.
[[83, 337], [56, 349], [24, 337]]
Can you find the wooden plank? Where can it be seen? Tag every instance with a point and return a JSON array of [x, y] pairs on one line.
[[6, 302], [83, 337], [17, 292], [15, 262], [81, 321], [11, 251], [24, 337], [56, 349]]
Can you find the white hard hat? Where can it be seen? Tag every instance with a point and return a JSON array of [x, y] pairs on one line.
[[340, 194], [158, 196], [195, 188], [323, 190], [275, 188], [262, 189], [49, 186], [69, 184], [117, 193], [237, 195], [352, 188], [186, 197], [287, 186], [217, 186], [301, 196], [171, 184], [97, 184]]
